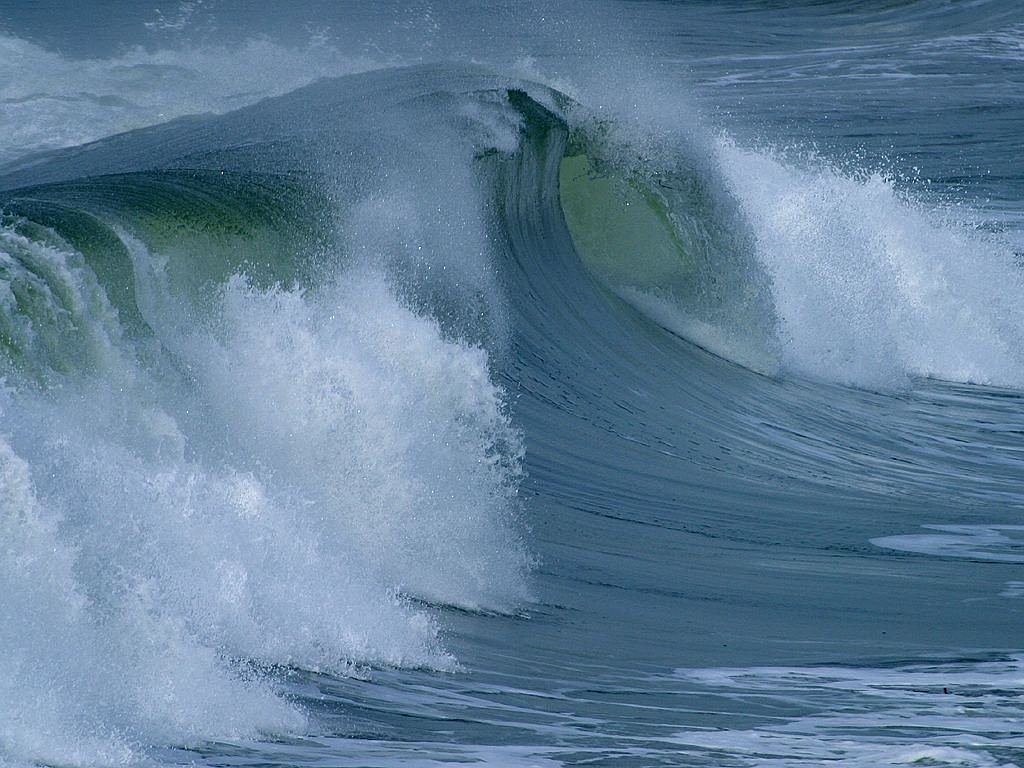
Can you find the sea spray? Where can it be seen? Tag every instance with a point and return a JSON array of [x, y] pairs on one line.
[[268, 482], [871, 286]]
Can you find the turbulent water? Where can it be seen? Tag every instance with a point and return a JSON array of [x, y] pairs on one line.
[[612, 383]]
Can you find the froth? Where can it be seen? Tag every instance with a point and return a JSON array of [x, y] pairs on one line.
[[271, 487], [870, 286], [81, 683], [396, 438]]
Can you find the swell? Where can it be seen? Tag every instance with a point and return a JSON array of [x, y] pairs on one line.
[[577, 356], [327, 337]]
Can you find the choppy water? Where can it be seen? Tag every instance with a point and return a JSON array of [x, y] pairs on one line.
[[602, 383]]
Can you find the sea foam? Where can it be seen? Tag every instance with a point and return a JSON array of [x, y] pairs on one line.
[[267, 485]]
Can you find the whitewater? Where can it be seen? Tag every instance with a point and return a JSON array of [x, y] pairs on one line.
[[525, 384]]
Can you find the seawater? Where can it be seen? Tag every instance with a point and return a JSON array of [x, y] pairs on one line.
[[519, 384]]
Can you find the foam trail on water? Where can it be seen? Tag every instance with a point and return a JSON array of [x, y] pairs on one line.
[[958, 713]]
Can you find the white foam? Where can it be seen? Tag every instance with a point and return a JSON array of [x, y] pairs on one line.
[[81, 683], [871, 287], [396, 437], [326, 455]]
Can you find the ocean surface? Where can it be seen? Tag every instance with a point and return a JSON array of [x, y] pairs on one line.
[[606, 383]]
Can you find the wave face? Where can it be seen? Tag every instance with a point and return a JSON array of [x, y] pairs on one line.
[[407, 408]]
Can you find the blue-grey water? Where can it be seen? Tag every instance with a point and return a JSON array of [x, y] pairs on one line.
[[523, 384]]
